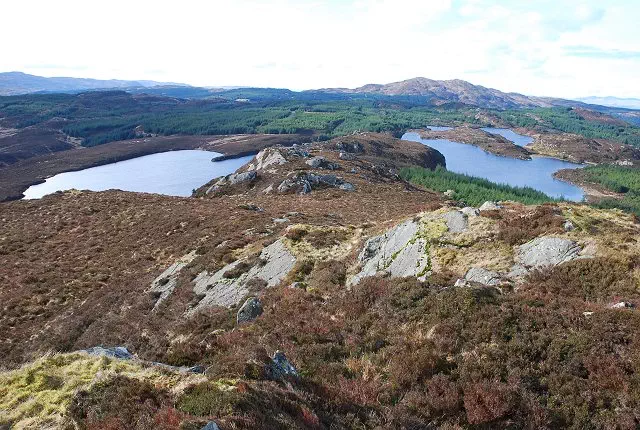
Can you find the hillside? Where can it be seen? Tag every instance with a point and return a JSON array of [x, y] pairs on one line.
[[15, 83], [450, 91], [315, 288]]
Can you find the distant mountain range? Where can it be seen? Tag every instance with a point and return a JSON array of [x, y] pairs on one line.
[[447, 92], [612, 102], [450, 91], [14, 83]]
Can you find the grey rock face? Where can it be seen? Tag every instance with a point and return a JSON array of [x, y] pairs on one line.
[[305, 182], [517, 271], [347, 156], [321, 163], [233, 179], [282, 367], [399, 252], [547, 251], [286, 185], [250, 310], [276, 368], [462, 283], [622, 305], [166, 282], [119, 352], [353, 148], [490, 206], [457, 222], [482, 276], [211, 425], [347, 187], [298, 152], [239, 178], [470, 211], [316, 162], [274, 264], [267, 158]]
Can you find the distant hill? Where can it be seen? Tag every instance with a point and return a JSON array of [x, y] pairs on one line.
[[14, 83], [612, 102], [450, 91]]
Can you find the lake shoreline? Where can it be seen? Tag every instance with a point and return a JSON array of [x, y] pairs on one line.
[[15, 179], [492, 143], [535, 172], [592, 192]]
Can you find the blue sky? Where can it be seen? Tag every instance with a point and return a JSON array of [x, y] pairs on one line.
[[563, 48]]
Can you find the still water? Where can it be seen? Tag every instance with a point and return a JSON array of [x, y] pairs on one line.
[[536, 173], [173, 173], [511, 135]]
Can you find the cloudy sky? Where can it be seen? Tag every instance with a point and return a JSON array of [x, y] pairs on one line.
[[563, 48]]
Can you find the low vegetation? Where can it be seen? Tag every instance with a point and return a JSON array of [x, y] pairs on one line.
[[471, 190]]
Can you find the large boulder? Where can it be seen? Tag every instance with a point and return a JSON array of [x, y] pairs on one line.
[[547, 251], [483, 276], [239, 178], [321, 163], [276, 368], [490, 206], [250, 310], [457, 221]]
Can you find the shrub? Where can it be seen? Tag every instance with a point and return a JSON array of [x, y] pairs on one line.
[[120, 403], [208, 399]]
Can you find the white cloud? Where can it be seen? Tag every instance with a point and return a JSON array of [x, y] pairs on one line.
[[515, 46]]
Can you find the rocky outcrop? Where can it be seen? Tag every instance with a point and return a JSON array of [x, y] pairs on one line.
[[483, 276], [267, 158], [321, 163], [622, 305], [457, 221], [470, 211], [166, 282], [119, 352], [306, 182], [233, 179], [276, 368], [490, 206], [250, 310], [397, 253], [350, 147], [272, 266], [547, 251]]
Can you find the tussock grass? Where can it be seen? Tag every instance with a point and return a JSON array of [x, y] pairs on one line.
[[38, 394]]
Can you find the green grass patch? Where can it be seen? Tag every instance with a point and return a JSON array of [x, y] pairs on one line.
[[469, 189]]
